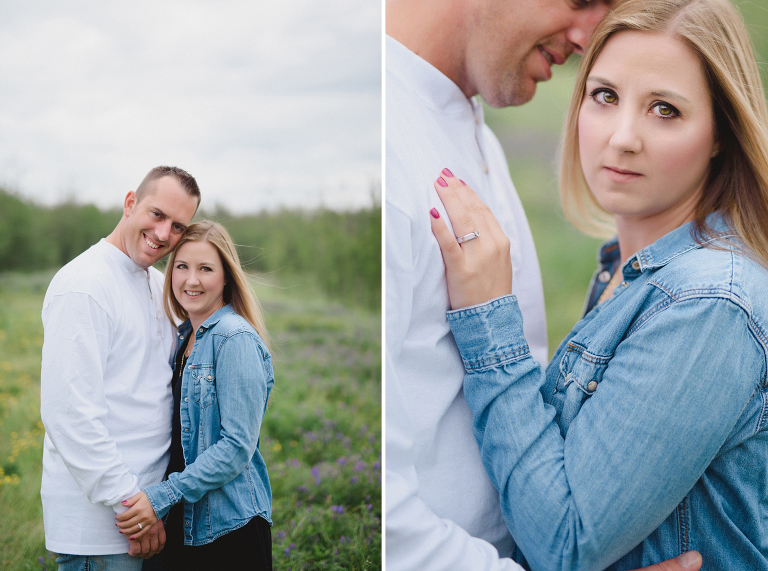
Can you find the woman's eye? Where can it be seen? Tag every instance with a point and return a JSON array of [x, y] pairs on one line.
[[181, 266], [665, 111], [604, 96]]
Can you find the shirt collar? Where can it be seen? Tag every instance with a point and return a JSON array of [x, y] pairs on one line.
[[122, 260], [670, 246], [427, 82]]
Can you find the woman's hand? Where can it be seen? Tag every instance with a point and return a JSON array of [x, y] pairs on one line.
[[138, 518], [479, 269]]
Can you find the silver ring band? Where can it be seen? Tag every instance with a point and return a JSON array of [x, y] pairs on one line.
[[140, 526], [468, 237]]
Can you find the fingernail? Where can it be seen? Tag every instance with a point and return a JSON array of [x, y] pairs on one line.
[[446, 172], [689, 559], [434, 213], [123, 501], [462, 182], [131, 538], [441, 182]]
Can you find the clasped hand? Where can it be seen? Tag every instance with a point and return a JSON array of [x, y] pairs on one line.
[[138, 519], [477, 270]]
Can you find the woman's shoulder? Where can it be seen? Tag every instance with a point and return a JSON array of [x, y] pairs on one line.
[[232, 324], [721, 272]]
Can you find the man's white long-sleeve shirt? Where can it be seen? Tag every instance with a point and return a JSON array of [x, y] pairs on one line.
[[106, 401], [442, 512]]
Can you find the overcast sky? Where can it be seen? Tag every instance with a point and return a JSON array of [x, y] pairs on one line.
[[266, 103]]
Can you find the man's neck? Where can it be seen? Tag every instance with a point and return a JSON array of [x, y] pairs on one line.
[[434, 31]]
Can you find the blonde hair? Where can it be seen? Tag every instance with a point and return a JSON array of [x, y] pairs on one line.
[[738, 178], [237, 290]]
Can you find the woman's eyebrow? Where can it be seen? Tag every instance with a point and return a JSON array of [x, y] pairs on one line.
[[602, 81], [669, 95]]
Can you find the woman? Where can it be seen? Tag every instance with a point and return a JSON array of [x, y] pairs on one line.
[[217, 494], [646, 435]]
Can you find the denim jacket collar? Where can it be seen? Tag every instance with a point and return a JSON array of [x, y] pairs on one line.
[[668, 247], [186, 327]]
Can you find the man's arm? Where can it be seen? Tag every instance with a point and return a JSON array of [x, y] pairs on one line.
[[72, 398]]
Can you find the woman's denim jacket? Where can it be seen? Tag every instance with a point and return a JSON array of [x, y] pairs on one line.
[[224, 389], [646, 436]]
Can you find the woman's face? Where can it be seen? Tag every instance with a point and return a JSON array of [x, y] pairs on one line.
[[646, 130], [198, 280]]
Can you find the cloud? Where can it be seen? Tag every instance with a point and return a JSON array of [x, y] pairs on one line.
[[267, 104]]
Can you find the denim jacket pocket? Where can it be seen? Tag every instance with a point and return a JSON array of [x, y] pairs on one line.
[[204, 380], [580, 375]]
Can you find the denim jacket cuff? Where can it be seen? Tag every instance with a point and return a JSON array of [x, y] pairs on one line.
[[161, 497], [489, 334]]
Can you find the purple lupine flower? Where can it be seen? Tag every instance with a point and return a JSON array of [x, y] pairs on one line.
[[341, 461], [316, 474], [353, 480]]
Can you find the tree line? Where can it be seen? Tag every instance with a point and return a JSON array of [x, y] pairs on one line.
[[339, 251]]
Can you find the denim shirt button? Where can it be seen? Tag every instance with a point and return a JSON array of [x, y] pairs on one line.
[[635, 265], [592, 385], [604, 276], [186, 399], [181, 337], [186, 523], [186, 430], [209, 377], [624, 284]]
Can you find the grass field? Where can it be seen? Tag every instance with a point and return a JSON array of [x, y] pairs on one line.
[[320, 438]]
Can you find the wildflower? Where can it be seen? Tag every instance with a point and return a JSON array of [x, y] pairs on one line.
[[353, 480], [287, 551], [341, 461], [316, 474]]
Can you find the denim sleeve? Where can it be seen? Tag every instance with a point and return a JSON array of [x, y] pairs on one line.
[[669, 398], [242, 379]]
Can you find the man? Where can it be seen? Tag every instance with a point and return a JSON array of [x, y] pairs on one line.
[[105, 381], [442, 511]]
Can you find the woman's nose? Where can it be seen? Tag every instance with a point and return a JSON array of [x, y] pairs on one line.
[[626, 136]]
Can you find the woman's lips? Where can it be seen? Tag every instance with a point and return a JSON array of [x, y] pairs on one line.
[[621, 175]]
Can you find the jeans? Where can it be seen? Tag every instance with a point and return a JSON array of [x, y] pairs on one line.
[[118, 562]]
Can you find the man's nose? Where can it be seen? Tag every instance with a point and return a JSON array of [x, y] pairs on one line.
[[163, 230], [584, 24]]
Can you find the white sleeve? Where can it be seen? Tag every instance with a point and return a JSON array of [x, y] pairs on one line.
[[416, 538], [72, 399]]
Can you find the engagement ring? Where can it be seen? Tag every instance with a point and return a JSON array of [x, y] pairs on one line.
[[468, 237]]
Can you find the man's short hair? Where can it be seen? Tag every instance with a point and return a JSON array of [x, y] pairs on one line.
[[186, 180]]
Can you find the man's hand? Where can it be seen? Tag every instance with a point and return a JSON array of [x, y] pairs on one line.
[[152, 542], [689, 561]]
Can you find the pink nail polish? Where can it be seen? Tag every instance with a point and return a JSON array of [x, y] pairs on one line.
[[462, 182], [441, 182], [446, 172], [434, 213]]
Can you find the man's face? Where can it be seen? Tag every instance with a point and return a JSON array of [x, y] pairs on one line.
[[154, 225], [512, 44]]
